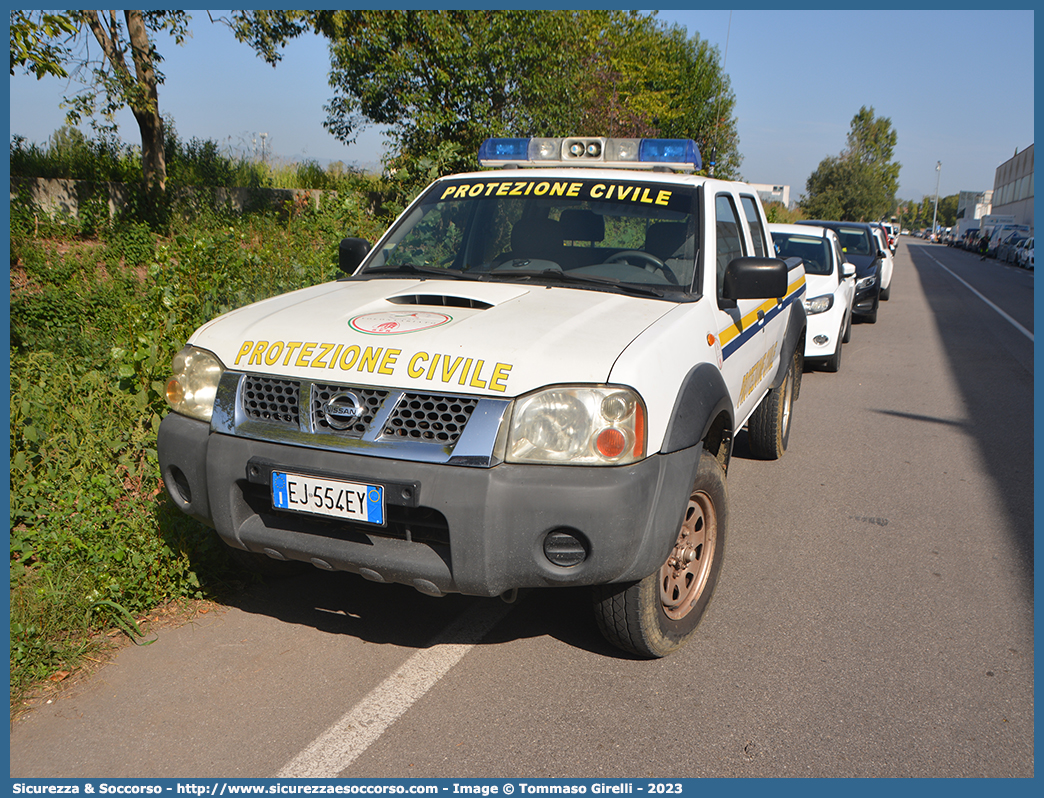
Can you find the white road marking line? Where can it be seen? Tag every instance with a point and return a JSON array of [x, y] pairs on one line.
[[341, 744], [1006, 317]]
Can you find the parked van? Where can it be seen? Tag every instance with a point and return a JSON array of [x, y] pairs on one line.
[[1003, 232]]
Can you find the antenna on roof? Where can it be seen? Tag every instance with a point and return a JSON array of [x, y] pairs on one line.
[[714, 146]]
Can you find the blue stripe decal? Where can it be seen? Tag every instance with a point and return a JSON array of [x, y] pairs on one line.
[[754, 329]]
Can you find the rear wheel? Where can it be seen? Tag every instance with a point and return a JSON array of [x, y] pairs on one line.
[[848, 330], [657, 615], [768, 429]]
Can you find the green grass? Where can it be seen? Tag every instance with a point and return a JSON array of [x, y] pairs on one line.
[[98, 309]]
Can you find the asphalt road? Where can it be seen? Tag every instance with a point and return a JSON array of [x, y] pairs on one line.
[[874, 615]]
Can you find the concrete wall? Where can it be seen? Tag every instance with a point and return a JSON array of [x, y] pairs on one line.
[[63, 197]]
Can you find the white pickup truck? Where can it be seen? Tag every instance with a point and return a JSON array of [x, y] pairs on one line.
[[533, 379]]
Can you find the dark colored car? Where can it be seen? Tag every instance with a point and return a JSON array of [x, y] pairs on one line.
[[862, 251]]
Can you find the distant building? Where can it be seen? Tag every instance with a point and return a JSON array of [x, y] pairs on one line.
[[770, 193], [1013, 187], [974, 204]]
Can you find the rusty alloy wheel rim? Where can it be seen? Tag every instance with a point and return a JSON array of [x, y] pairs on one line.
[[684, 576], [784, 416]]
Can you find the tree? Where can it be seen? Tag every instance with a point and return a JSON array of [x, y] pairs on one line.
[[948, 210], [39, 42], [458, 77], [828, 191], [860, 183], [60, 45], [668, 84]]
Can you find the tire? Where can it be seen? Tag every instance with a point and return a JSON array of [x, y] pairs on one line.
[[885, 293], [848, 330], [657, 615], [768, 429], [833, 363]]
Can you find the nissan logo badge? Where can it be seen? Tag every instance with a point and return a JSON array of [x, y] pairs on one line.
[[342, 410]]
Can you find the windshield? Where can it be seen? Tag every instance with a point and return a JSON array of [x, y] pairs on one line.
[[609, 232], [814, 251]]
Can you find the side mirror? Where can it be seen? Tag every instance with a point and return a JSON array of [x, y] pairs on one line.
[[848, 269], [881, 254], [351, 253], [755, 278]]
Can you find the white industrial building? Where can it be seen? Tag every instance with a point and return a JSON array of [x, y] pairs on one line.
[[974, 204], [770, 193], [1013, 187]]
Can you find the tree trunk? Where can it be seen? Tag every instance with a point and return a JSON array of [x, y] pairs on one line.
[[150, 123], [139, 90]]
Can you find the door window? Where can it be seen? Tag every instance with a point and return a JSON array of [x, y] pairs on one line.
[[729, 235]]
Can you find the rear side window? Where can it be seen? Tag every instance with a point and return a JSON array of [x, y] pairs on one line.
[[757, 233]]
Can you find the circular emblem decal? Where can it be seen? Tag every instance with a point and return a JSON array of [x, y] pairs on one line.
[[394, 322]]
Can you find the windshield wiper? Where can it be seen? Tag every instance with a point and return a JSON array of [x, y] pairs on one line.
[[581, 279]]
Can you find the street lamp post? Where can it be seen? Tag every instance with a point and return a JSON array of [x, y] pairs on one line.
[[935, 213]]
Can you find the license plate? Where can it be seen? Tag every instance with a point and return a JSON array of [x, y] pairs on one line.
[[334, 498]]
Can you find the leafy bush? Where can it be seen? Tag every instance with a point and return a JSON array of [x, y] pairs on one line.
[[99, 306], [91, 532], [95, 322]]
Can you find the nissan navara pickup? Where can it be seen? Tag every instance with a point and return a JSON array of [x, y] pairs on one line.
[[533, 379]]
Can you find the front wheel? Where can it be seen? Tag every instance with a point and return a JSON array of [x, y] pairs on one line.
[[657, 615]]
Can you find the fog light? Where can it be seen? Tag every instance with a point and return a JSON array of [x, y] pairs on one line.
[[564, 549], [181, 484], [821, 339]]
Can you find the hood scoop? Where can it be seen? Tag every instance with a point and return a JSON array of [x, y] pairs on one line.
[[440, 300]]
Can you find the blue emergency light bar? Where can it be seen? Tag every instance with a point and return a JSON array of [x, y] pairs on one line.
[[678, 154]]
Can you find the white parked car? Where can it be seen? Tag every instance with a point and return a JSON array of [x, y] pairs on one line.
[[830, 288], [1025, 254], [887, 263]]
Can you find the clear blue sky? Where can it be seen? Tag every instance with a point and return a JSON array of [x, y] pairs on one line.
[[957, 85]]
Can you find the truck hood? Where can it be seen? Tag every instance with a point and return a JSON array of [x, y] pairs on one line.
[[497, 339]]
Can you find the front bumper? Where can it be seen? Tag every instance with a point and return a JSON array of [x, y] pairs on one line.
[[478, 531], [866, 300], [829, 325]]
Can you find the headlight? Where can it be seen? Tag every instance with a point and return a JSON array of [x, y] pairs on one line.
[[866, 282], [192, 389], [819, 304], [577, 426]]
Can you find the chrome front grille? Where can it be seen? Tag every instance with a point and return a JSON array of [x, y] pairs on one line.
[[269, 399], [426, 417], [365, 420]]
